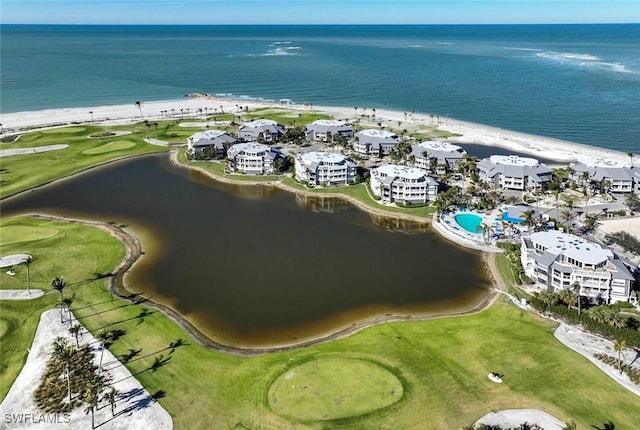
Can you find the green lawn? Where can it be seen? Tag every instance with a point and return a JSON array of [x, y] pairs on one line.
[[358, 191], [18, 172], [442, 364]]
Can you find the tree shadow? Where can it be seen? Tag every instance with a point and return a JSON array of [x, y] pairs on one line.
[[605, 426]]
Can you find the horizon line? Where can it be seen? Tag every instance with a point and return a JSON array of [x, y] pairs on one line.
[[317, 24]]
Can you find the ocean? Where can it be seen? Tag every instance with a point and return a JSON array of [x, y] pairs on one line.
[[574, 82]]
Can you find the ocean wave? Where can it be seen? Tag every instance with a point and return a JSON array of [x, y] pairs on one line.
[[288, 50], [584, 60]]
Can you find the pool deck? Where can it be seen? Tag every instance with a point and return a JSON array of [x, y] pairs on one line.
[[446, 225]]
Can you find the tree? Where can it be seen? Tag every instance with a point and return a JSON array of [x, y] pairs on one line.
[[630, 155], [75, 330], [58, 284], [591, 223], [619, 346], [138, 104], [110, 397], [632, 201], [91, 401], [575, 288], [103, 336], [66, 302], [91, 113], [27, 263], [529, 219], [63, 352]]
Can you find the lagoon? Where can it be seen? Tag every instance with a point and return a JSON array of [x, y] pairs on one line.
[[255, 266]]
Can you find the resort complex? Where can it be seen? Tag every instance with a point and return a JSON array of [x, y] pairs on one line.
[[326, 130], [559, 261], [280, 297], [252, 158], [264, 130], [439, 157], [403, 184], [324, 168], [612, 175], [211, 144], [513, 172], [375, 142]]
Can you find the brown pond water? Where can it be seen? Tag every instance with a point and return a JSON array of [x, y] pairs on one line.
[[255, 266]]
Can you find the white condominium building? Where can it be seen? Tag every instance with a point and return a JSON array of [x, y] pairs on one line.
[[513, 172], [393, 183], [617, 176], [375, 142], [215, 142], [261, 130], [556, 261], [445, 154], [252, 158], [324, 130], [324, 168]]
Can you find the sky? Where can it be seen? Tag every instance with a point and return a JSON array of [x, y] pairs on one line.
[[318, 11]]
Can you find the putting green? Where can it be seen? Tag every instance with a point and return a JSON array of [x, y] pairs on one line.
[[21, 233], [315, 390], [109, 147]]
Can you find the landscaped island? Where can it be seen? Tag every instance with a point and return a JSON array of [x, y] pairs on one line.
[[441, 363]]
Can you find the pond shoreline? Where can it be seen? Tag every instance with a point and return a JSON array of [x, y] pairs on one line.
[[133, 251]]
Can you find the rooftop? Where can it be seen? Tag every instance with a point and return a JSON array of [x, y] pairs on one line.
[[208, 134], [249, 147], [401, 171], [513, 160], [602, 162], [572, 246], [439, 146], [329, 122], [319, 157], [374, 132]]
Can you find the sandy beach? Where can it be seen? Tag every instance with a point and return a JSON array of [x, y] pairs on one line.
[[192, 107]]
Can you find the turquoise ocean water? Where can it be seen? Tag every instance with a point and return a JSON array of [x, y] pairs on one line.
[[575, 82]]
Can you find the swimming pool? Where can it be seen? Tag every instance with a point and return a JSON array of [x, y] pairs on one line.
[[469, 222]]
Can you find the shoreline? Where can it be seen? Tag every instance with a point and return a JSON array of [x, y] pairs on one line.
[[133, 251], [470, 133]]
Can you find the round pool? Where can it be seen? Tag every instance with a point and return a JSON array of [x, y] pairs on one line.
[[469, 222]]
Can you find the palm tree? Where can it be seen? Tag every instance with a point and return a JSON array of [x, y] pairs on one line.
[[591, 223], [74, 330], [619, 346], [92, 404], [568, 217], [575, 288], [529, 219], [570, 425], [27, 263], [58, 284], [630, 155], [110, 396], [63, 352], [103, 336], [138, 104], [66, 302], [91, 113]]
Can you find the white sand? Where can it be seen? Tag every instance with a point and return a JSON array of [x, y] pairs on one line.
[[471, 133], [630, 225], [135, 409], [20, 294], [587, 344], [12, 260], [512, 418]]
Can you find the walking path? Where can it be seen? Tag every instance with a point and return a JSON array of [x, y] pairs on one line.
[[20, 294], [135, 407], [35, 150]]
